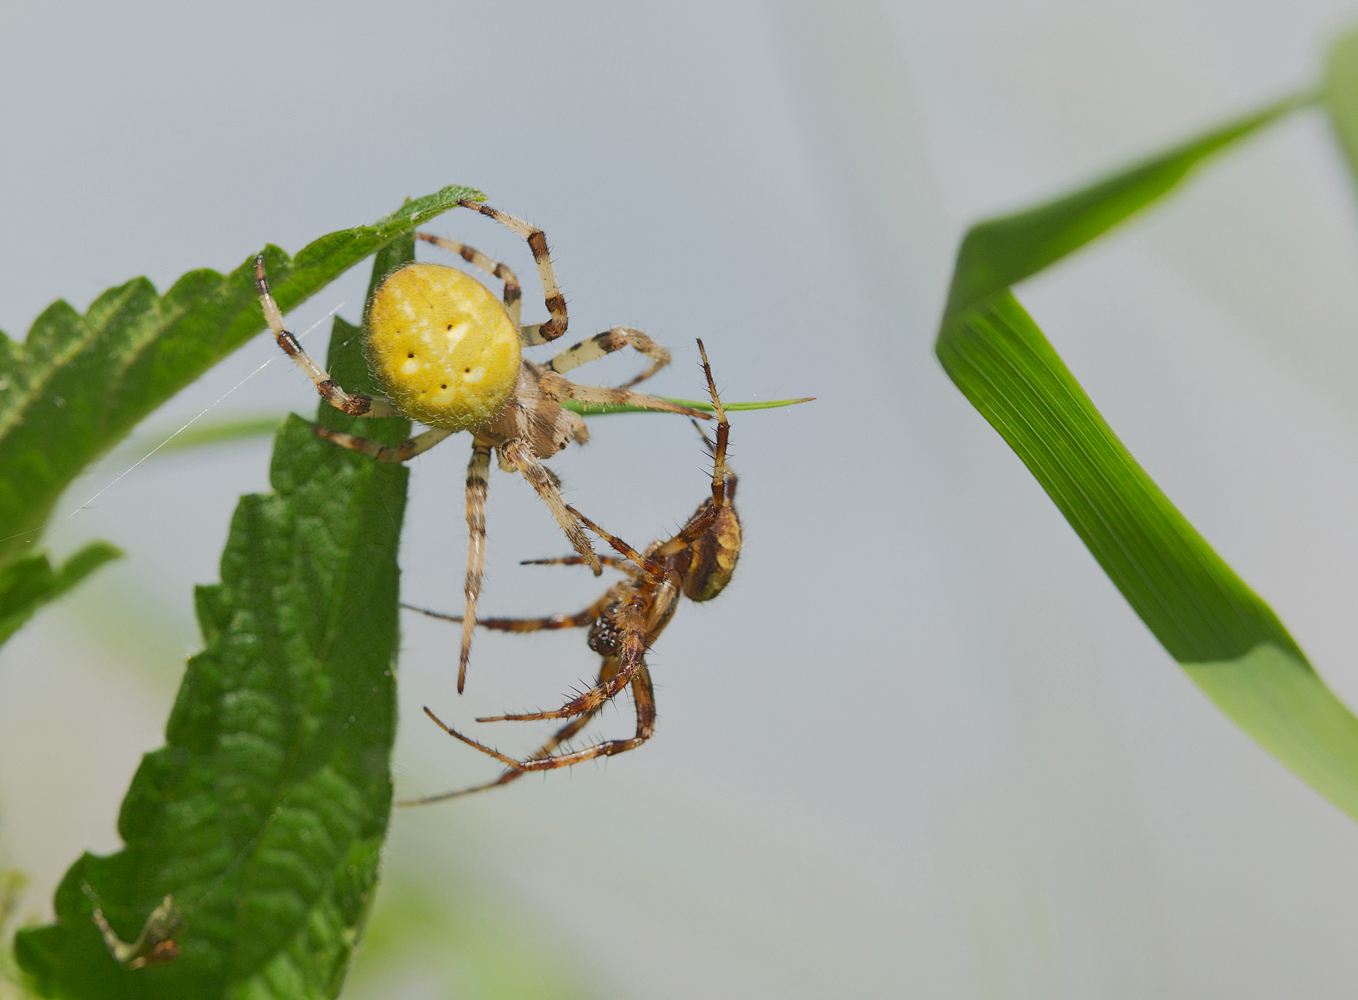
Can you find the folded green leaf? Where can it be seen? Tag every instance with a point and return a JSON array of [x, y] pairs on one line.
[[1188, 596], [78, 384], [1341, 95], [1229, 641], [264, 814], [28, 584], [1001, 252], [1226, 638]]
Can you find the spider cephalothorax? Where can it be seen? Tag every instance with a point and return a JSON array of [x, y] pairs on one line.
[[447, 355], [697, 562]]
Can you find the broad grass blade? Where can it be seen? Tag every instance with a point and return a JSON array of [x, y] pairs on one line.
[[1222, 633]]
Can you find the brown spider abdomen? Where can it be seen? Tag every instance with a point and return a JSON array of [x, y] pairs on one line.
[[712, 561], [605, 632]]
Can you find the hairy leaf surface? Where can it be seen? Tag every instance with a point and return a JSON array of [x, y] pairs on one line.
[[265, 812], [78, 384]]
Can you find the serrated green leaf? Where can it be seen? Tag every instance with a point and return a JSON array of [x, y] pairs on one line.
[[28, 584], [264, 814], [78, 384], [1226, 638]]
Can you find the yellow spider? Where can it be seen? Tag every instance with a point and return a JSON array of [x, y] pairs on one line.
[[447, 355]]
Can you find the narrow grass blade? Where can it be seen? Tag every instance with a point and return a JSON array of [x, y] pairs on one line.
[[1001, 252], [1341, 95], [602, 409], [235, 429]]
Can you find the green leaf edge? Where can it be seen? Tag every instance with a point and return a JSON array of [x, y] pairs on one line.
[[127, 336], [1339, 91], [1000, 252], [27, 584], [68, 959]]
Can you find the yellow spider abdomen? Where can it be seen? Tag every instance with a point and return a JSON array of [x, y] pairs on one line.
[[442, 346]]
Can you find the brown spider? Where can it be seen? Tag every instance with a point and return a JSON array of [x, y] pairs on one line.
[[697, 562], [447, 354]]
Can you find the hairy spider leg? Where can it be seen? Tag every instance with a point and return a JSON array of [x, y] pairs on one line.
[[643, 695], [711, 447], [402, 452], [559, 388], [606, 343], [513, 293], [355, 404], [536, 333], [584, 352], [611, 561], [521, 457], [720, 496], [478, 485], [580, 619], [607, 669]]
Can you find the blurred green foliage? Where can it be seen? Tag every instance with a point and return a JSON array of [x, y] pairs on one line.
[[451, 940]]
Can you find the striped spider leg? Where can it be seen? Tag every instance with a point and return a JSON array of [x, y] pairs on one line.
[[697, 562], [448, 355]]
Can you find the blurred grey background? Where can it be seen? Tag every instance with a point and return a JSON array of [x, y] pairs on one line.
[[921, 746]]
